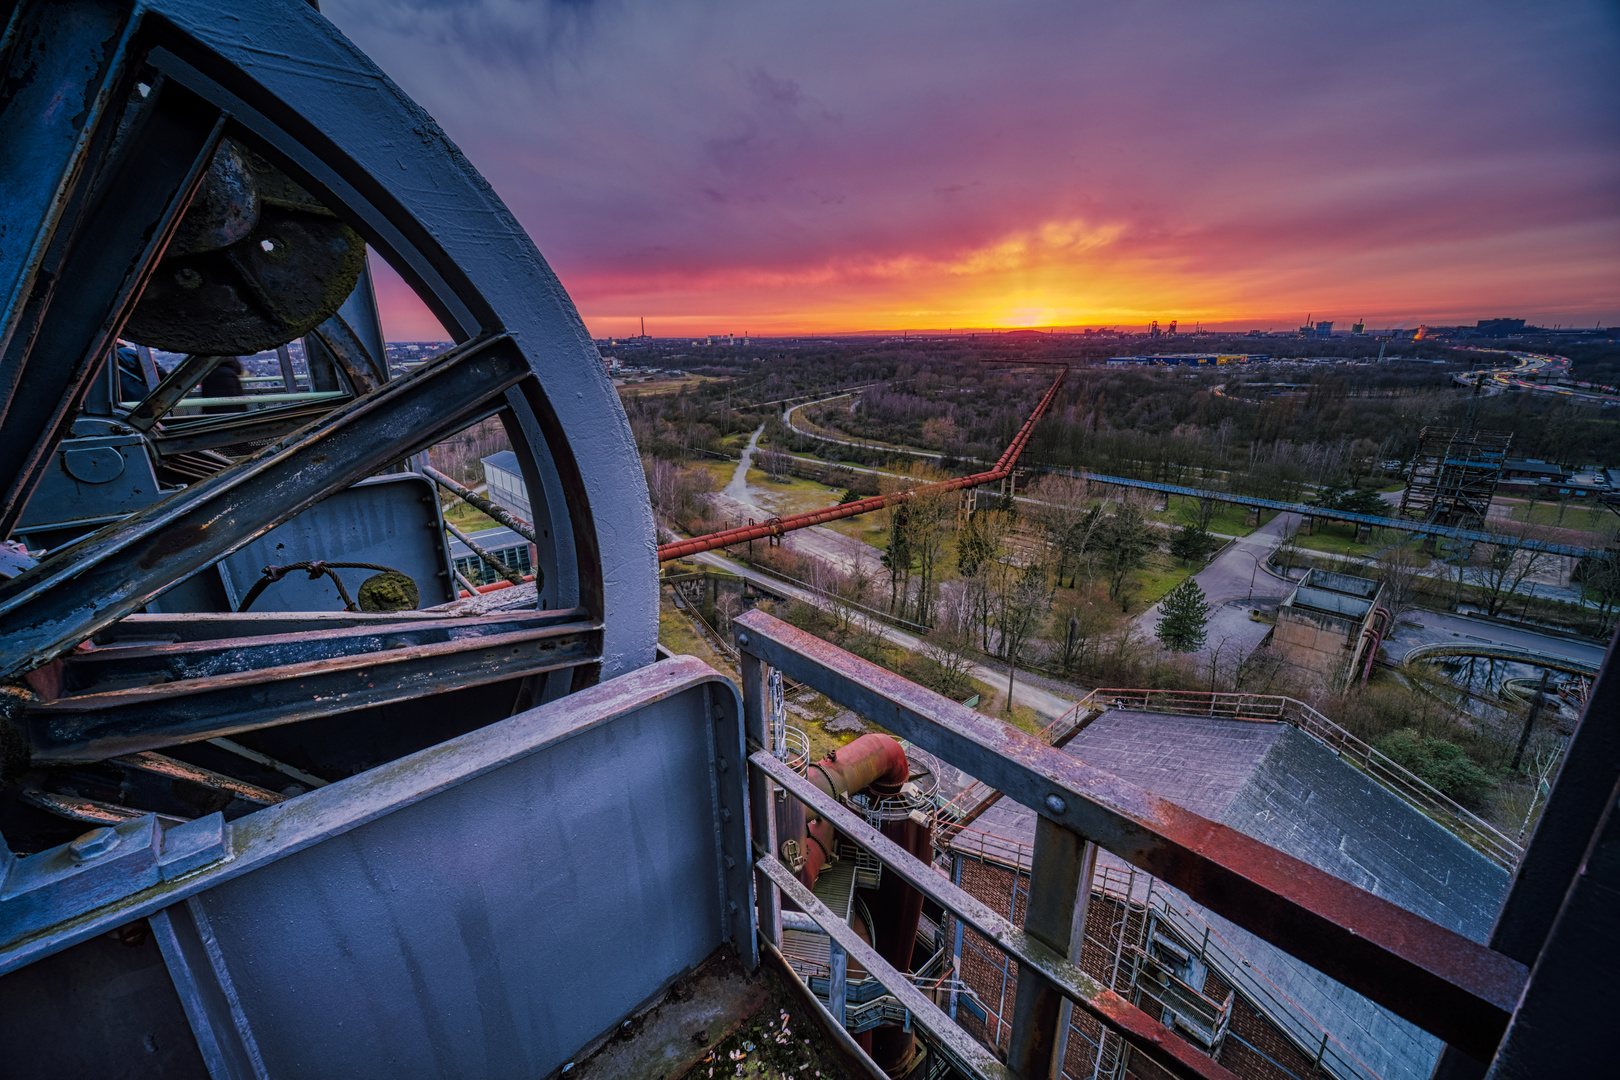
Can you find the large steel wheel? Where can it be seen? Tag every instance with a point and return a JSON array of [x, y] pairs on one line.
[[112, 115]]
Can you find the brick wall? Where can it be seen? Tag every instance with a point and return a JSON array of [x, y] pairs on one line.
[[1268, 1055]]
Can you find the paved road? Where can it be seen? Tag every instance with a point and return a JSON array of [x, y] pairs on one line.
[[787, 418], [1425, 627], [1044, 702], [1235, 582], [740, 501], [737, 488]]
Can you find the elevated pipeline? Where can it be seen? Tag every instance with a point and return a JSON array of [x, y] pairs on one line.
[[778, 526]]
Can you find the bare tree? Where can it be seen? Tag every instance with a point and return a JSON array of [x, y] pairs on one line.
[[1023, 605], [1399, 566], [1499, 567], [1061, 513], [776, 465], [949, 645], [980, 545]]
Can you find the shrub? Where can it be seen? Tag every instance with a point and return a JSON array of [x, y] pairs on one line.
[[1443, 764]]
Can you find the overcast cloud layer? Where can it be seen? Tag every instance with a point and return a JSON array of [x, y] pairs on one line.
[[720, 166]]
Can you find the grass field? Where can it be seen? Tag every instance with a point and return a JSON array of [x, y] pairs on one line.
[[1229, 518], [663, 386], [1584, 518], [468, 520], [1154, 582], [793, 495], [1339, 538], [677, 634], [720, 470], [993, 699]]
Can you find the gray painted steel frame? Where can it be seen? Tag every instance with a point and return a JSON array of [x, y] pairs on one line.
[[486, 907], [312, 101], [1432, 976], [356, 139]]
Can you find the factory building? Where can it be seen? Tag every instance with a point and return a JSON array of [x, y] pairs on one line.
[[1330, 627]]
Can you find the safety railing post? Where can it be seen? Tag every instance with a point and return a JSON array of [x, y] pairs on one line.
[[1054, 895], [837, 980], [761, 792]]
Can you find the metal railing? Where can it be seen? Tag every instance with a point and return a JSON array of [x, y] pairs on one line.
[[1431, 976], [1302, 1029], [1419, 793], [954, 815]]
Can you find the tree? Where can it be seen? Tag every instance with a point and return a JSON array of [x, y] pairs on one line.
[[897, 560], [1599, 578], [978, 562], [1192, 544], [1339, 494], [1400, 565], [947, 657], [1060, 512], [1499, 568], [1183, 618], [1124, 542], [1023, 604], [1080, 626]]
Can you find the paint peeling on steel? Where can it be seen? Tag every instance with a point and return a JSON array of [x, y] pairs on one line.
[[1140, 1030], [89, 727], [1438, 979]]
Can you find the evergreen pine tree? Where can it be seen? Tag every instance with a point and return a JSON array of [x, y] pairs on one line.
[[1183, 618]]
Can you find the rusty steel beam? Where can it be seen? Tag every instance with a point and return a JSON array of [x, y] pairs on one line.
[[233, 429], [241, 650], [742, 534], [1054, 882], [1436, 978], [1146, 1034], [481, 504], [95, 726], [489, 559], [171, 769]]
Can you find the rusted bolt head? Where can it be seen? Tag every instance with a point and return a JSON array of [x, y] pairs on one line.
[[93, 845], [1056, 804]]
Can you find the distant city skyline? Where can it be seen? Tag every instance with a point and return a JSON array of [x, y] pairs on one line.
[[724, 167]]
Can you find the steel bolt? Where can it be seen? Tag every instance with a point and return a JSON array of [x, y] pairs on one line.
[[93, 845], [1056, 804]]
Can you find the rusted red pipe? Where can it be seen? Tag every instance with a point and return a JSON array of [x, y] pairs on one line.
[[877, 765], [873, 761], [742, 534], [494, 586]]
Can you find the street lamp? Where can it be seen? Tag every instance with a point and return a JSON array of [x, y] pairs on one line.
[[1253, 572]]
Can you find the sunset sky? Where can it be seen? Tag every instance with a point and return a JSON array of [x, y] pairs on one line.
[[722, 166]]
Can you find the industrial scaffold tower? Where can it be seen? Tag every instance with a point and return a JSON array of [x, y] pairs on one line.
[[1454, 476]]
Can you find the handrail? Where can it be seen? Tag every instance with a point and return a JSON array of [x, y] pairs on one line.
[[1237, 972], [1146, 1035], [1434, 977], [1419, 793]]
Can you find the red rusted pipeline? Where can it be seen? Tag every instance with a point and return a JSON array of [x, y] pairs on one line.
[[742, 534], [876, 764], [871, 761], [494, 586]]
